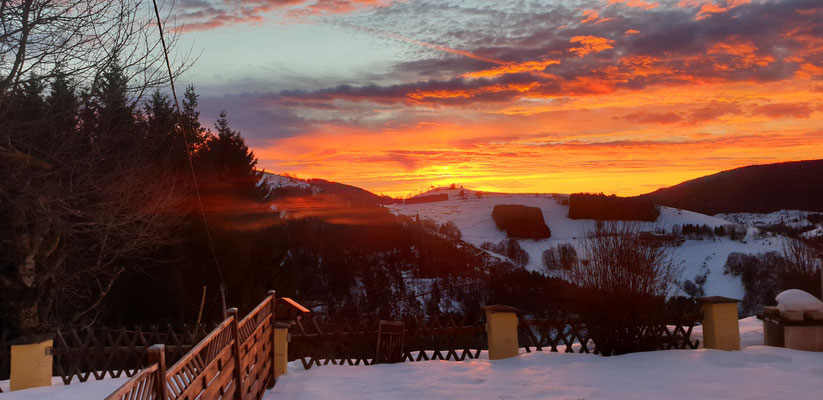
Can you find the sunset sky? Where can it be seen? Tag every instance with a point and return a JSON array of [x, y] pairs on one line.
[[619, 96]]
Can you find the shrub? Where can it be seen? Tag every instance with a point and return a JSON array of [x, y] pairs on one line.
[[509, 248], [759, 274], [561, 257], [611, 208], [451, 230], [521, 222], [764, 275], [621, 284]]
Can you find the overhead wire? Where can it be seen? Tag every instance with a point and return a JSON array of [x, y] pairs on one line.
[[191, 163]]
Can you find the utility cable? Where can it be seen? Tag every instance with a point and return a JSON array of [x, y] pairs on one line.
[[191, 163]]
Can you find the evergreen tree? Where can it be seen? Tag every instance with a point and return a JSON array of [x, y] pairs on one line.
[[161, 129], [115, 113], [62, 103], [195, 133], [227, 157]]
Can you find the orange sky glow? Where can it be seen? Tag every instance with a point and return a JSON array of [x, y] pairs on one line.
[[618, 96]]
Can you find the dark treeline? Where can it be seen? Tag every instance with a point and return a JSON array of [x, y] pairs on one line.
[[753, 189], [521, 222], [427, 199], [347, 269], [611, 208], [97, 185]]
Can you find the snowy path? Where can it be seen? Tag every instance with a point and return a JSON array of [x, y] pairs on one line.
[[756, 372]]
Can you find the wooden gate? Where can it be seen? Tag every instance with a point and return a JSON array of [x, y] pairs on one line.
[[234, 361]]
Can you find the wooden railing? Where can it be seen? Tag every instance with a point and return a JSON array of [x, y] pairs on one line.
[[146, 384], [234, 361]]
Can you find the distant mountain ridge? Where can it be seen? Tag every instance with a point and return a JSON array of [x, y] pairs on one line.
[[342, 191], [795, 185]]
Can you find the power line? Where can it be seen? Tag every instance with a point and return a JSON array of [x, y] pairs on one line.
[[191, 163]]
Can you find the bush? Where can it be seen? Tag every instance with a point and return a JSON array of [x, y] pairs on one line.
[[451, 231], [509, 248], [611, 208], [521, 222], [621, 284], [760, 275], [561, 257]]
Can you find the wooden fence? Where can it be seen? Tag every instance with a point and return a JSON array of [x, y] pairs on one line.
[[234, 361], [99, 352], [570, 335], [318, 342]]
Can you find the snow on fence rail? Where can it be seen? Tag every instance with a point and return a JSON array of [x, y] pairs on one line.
[[234, 361]]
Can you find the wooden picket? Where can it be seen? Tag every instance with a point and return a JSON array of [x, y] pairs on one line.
[[234, 361]]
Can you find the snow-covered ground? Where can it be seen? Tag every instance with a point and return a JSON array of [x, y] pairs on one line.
[[473, 216], [756, 372], [90, 389]]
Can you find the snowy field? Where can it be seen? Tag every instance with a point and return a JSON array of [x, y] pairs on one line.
[[756, 372], [698, 257]]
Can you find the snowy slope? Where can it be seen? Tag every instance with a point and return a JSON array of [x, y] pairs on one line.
[[473, 216], [276, 181]]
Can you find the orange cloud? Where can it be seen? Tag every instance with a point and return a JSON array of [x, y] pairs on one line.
[[590, 15], [593, 16], [590, 44], [513, 68], [648, 5], [743, 53]]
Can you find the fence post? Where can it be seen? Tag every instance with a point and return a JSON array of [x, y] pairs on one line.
[[501, 328], [721, 329], [156, 354], [273, 341], [238, 374], [281, 348], [31, 362]]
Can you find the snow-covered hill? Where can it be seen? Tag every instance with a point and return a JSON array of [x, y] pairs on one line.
[[277, 181], [472, 214]]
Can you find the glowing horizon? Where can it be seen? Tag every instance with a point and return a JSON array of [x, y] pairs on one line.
[[610, 96]]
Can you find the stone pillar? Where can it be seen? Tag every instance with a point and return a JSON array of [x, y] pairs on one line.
[[31, 362], [501, 328], [721, 328], [281, 348]]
